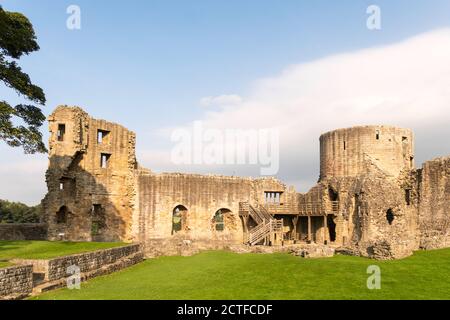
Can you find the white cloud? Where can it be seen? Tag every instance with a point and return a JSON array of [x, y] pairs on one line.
[[221, 101], [404, 84]]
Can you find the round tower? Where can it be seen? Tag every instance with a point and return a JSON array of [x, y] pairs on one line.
[[353, 151]]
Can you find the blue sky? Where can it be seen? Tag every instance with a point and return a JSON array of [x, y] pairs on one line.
[[147, 64]]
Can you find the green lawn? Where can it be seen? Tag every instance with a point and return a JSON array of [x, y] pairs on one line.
[[4, 264], [46, 249], [225, 275]]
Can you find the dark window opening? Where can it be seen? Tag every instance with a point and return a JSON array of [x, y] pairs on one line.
[[408, 197], [405, 139], [377, 135], [61, 215], [61, 132], [331, 227], [97, 209], [390, 216], [332, 194], [104, 160], [345, 145], [67, 185], [102, 136]]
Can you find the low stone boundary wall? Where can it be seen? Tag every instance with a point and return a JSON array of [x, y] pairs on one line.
[[53, 273], [23, 231], [16, 282], [56, 269]]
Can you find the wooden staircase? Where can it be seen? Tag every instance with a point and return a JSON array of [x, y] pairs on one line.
[[267, 226]]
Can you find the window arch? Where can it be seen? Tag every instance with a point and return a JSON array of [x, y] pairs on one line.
[[61, 215], [179, 218], [218, 219]]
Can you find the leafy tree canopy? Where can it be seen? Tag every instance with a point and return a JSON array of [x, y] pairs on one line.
[[19, 125], [16, 212]]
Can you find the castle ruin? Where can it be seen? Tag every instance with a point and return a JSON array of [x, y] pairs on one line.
[[370, 199]]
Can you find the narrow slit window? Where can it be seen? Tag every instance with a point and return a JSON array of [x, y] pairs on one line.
[[104, 160], [61, 132], [377, 135], [408, 197], [345, 145]]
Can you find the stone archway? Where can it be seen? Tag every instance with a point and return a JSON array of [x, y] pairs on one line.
[[179, 219], [224, 220]]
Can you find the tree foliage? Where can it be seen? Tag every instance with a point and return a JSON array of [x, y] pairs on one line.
[[19, 125], [16, 212]]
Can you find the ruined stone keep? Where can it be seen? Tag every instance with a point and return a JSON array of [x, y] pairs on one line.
[[370, 198]]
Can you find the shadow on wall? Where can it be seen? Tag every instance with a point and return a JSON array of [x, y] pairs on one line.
[[84, 206]]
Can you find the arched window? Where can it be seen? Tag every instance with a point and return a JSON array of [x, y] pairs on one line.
[[61, 215], [218, 219], [178, 218]]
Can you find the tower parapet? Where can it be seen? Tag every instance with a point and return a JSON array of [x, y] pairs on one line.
[[347, 152]]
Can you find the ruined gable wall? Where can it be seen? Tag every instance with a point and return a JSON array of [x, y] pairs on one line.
[[434, 209], [75, 161]]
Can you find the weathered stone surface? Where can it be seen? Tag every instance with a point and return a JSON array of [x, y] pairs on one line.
[[315, 251], [16, 282], [434, 208], [95, 202], [369, 198]]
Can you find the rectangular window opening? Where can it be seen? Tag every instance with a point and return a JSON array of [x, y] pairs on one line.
[[61, 132], [104, 160], [272, 197], [102, 136]]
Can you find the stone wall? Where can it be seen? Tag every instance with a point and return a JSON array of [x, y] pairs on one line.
[[199, 198], [369, 197], [90, 180], [434, 210], [23, 231], [16, 282], [345, 152], [56, 269]]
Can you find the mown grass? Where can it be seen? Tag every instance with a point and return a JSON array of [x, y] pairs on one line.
[[46, 249], [224, 275]]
